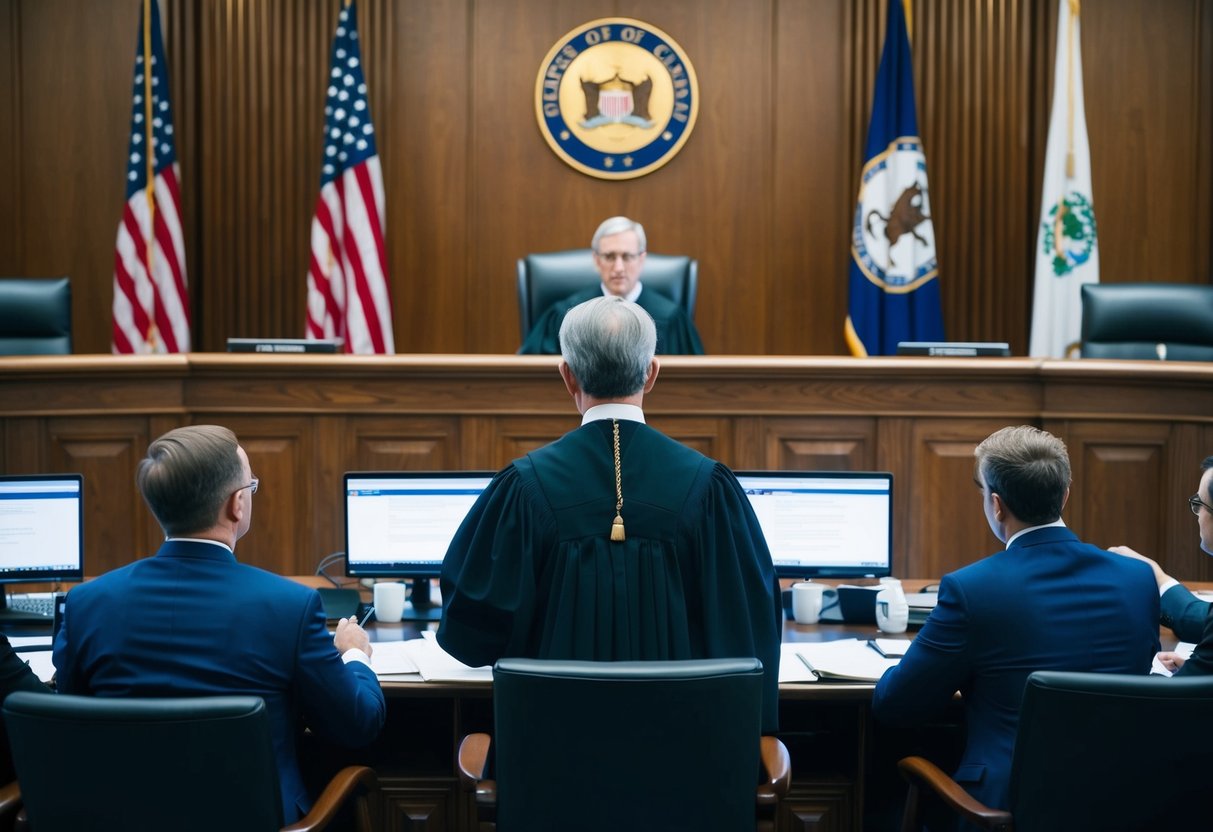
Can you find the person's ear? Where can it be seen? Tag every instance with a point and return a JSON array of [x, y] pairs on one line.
[[649, 381], [1065, 498], [570, 381], [1000, 508]]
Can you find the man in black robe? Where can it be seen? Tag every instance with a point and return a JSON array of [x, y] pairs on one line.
[[614, 542], [619, 247]]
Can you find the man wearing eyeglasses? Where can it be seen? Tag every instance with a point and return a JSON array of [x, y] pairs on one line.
[[192, 621], [1187, 616], [619, 247]]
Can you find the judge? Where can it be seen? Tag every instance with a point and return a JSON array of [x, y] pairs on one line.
[[613, 542], [619, 247]]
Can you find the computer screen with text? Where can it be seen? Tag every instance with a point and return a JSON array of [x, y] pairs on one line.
[[399, 524], [824, 523], [41, 528]]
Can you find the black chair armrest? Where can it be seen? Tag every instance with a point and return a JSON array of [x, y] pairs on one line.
[[922, 772], [351, 781], [777, 765]]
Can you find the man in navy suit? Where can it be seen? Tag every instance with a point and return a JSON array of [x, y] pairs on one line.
[[1047, 602], [1189, 617], [192, 621]]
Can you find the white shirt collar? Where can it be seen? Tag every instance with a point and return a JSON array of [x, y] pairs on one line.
[[200, 540], [1021, 532], [632, 295], [613, 410]]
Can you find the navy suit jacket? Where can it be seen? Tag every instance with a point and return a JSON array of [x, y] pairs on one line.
[[192, 621], [1049, 602], [1191, 620]]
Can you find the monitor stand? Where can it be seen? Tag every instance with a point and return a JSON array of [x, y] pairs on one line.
[[419, 606]]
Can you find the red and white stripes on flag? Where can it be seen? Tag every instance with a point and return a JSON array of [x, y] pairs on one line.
[[151, 301], [347, 282]]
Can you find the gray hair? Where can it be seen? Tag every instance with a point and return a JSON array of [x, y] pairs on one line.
[[618, 225], [608, 343], [187, 475], [1029, 469]]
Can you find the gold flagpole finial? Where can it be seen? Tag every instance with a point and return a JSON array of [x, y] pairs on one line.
[[617, 526]]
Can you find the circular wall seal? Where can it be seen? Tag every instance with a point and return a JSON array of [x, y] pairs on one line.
[[616, 98]]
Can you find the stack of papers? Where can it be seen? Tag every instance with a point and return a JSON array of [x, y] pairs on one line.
[[844, 660], [437, 665]]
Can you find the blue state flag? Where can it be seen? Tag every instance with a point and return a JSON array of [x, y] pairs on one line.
[[894, 293]]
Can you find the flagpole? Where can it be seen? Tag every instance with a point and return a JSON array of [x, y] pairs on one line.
[[1070, 90], [908, 7], [149, 150]]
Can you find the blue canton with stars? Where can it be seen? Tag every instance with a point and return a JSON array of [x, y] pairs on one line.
[[349, 138], [163, 151]]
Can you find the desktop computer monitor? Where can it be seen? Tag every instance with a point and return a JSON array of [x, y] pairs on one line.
[[41, 531], [399, 524], [824, 524]]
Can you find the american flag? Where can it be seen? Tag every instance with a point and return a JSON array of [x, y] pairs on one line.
[[151, 302], [347, 284]]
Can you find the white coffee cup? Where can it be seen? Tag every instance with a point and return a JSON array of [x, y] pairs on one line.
[[806, 601], [389, 601]]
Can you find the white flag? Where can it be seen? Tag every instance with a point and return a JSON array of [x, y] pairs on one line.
[[1067, 254]]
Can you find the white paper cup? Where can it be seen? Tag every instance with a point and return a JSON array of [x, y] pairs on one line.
[[389, 601], [806, 601]]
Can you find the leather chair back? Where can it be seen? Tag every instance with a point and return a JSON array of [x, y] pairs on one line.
[[181, 764], [627, 745], [1170, 321], [35, 316], [1112, 752], [544, 279]]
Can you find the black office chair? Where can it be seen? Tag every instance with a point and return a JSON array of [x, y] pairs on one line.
[[1099, 751], [544, 279], [153, 764], [1167, 321], [35, 316], [661, 745]]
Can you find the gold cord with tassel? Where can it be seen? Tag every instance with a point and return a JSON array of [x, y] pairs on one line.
[[617, 526]]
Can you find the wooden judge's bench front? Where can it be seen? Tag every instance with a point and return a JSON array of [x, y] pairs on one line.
[[1136, 433]]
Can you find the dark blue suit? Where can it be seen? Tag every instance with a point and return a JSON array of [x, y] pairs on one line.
[[1191, 619], [1049, 602], [192, 621]]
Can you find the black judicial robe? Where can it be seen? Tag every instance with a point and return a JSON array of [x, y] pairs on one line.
[[532, 571], [676, 333]]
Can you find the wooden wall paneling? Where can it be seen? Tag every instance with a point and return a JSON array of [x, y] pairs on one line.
[[425, 150], [816, 444], [402, 443], [105, 450], [75, 123], [972, 68], [1141, 68], [520, 196], [811, 181], [946, 527], [281, 449], [711, 437], [515, 436], [1180, 529], [714, 198], [1121, 483], [11, 259]]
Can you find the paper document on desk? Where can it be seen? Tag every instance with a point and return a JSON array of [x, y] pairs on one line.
[[389, 657], [437, 665], [844, 660], [1184, 648]]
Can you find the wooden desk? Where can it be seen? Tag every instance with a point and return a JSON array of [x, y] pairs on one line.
[[843, 765]]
